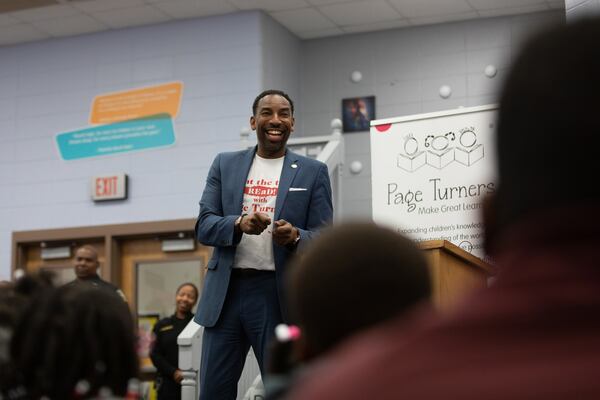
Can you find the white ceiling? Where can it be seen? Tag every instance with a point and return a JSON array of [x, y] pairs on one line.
[[305, 18]]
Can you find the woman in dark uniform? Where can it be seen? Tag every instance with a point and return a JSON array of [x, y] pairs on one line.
[[165, 352]]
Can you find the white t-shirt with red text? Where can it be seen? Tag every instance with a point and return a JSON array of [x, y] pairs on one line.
[[260, 194]]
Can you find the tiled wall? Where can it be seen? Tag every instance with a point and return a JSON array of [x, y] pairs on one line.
[[404, 69], [281, 54], [47, 88]]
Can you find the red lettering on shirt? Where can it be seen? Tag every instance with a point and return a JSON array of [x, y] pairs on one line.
[[260, 191]]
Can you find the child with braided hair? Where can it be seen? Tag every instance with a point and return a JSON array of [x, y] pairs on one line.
[[75, 342], [14, 297]]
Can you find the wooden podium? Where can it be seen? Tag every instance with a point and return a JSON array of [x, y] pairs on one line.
[[454, 272]]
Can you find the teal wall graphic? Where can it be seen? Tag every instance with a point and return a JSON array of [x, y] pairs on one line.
[[134, 135]]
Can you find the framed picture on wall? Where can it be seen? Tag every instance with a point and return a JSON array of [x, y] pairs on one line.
[[146, 323], [357, 113]]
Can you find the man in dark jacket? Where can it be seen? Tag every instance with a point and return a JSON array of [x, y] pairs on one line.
[[86, 266]]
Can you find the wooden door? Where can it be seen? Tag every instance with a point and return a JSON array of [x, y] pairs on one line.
[[150, 277], [146, 250]]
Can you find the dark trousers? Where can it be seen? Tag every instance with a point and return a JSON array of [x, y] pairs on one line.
[[249, 317], [168, 390]]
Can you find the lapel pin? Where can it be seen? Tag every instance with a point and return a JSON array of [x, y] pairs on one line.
[[294, 165]]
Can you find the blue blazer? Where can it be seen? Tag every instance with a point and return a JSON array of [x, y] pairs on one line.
[[308, 207]]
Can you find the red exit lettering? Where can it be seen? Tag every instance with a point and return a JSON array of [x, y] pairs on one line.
[[106, 186]]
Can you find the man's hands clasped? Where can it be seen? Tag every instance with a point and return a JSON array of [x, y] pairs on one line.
[[254, 224], [283, 232]]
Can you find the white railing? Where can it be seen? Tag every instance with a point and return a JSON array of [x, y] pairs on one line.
[[328, 149], [190, 350]]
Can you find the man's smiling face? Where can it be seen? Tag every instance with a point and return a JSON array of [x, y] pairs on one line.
[[273, 124]]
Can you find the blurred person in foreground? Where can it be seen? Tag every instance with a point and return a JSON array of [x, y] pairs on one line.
[[14, 298], [352, 277], [74, 342], [535, 334], [165, 352]]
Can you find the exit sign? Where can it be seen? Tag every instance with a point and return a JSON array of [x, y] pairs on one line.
[[109, 187]]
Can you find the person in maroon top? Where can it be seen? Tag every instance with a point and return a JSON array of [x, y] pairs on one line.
[[535, 333]]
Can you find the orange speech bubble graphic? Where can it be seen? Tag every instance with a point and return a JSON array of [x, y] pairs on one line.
[[137, 103]]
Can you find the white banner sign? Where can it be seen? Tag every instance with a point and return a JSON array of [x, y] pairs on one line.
[[430, 173]]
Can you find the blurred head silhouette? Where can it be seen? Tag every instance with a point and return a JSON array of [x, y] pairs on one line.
[[72, 334], [548, 132], [352, 277]]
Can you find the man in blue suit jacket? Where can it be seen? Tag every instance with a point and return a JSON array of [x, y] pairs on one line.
[[258, 207]]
